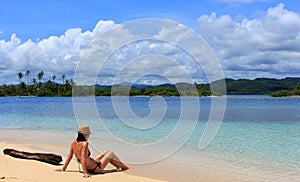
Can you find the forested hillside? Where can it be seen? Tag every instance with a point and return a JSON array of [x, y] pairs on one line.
[[260, 85], [269, 86]]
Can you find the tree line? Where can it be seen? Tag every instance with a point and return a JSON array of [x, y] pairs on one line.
[[37, 87], [168, 90], [287, 93], [262, 86]]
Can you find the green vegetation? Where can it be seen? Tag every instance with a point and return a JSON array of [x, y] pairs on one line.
[[265, 86], [259, 86], [181, 89], [36, 87], [287, 93]]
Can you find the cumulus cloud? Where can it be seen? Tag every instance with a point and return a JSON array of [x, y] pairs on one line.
[[125, 44], [264, 47], [55, 55], [86, 52], [268, 46], [137, 61]]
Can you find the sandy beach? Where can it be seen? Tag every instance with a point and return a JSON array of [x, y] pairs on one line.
[[178, 167], [13, 169]]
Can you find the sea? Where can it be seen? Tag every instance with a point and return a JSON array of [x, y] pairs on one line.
[[248, 130]]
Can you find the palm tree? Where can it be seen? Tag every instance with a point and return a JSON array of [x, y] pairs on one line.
[[22, 88], [40, 75], [28, 76], [63, 77], [34, 81], [20, 75], [53, 78], [72, 82]]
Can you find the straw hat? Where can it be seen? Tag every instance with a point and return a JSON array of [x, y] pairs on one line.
[[84, 130]]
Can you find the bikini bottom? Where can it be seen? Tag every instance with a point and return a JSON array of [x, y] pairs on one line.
[[93, 170]]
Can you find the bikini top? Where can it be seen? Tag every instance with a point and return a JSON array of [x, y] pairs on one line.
[[89, 154]]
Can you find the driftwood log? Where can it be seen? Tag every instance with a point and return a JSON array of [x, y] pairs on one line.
[[43, 157]]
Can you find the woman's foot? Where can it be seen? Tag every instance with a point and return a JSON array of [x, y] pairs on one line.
[[125, 168]]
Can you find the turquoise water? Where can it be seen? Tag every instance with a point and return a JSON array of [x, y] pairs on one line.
[[256, 130]]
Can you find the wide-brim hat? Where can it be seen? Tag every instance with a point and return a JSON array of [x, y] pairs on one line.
[[84, 130]]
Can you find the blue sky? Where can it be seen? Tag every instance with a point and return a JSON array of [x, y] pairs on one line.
[[35, 19], [29, 25]]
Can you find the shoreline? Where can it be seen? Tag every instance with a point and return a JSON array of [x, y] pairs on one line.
[[169, 169], [181, 166], [175, 168], [29, 170]]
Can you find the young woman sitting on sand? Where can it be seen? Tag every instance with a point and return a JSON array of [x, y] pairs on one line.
[[80, 149]]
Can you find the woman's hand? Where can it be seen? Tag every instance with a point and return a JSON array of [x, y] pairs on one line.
[[59, 170], [86, 176]]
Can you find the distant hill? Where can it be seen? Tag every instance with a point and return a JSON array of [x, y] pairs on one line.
[[123, 84], [260, 85], [102, 86], [267, 86]]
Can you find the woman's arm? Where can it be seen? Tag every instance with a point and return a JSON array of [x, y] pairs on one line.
[[69, 157], [83, 158]]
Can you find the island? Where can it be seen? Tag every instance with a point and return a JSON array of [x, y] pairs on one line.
[[289, 86]]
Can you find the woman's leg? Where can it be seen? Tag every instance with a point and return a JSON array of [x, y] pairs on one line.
[[110, 157], [100, 156], [114, 160]]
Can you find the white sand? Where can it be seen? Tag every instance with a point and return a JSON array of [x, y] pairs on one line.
[[13, 169], [176, 168]]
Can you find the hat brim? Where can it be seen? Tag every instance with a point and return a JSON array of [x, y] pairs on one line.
[[84, 132]]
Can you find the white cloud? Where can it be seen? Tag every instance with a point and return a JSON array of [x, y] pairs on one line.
[[265, 46], [55, 55], [160, 38], [268, 46], [59, 55]]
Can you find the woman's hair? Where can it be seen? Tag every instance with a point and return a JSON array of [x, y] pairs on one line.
[[80, 138]]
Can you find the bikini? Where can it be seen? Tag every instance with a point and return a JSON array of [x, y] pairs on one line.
[[98, 164], [93, 170]]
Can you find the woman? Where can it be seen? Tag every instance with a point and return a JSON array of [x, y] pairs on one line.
[[79, 148]]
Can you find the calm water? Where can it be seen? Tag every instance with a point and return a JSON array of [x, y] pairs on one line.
[[256, 130]]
